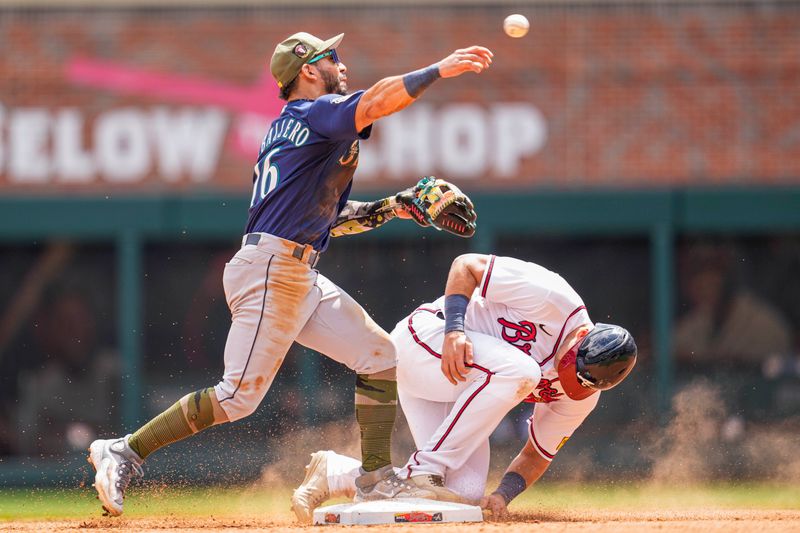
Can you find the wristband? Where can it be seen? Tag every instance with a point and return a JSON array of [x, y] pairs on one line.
[[455, 307], [511, 486], [419, 80]]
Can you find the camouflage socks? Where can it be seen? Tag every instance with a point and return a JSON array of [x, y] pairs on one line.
[[192, 413], [376, 407]]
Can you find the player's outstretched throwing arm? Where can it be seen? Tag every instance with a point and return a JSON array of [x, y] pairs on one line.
[[394, 93]]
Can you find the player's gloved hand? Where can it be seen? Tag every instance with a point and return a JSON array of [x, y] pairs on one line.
[[456, 355], [438, 203], [402, 204], [496, 505]]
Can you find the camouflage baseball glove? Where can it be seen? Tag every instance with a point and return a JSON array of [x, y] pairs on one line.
[[438, 203]]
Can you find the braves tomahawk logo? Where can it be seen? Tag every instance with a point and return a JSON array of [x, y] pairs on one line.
[[545, 392], [521, 335]]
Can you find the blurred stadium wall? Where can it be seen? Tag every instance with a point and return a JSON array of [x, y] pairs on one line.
[[612, 94], [648, 151]]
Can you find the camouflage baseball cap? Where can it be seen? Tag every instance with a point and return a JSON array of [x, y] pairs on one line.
[[295, 51]]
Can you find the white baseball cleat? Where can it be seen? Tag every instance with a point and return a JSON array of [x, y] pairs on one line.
[[435, 484], [115, 463], [383, 483], [314, 489]]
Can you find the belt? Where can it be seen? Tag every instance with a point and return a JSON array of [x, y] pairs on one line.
[[297, 253]]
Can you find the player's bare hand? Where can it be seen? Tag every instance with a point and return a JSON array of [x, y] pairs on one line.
[[471, 59], [496, 505], [456, 355]]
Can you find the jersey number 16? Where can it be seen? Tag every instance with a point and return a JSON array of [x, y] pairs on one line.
[[265, 181]]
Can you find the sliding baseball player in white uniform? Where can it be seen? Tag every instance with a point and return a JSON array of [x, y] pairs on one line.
[[505, 331]]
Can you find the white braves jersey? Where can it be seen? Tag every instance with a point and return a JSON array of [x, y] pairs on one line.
[[533, 308]]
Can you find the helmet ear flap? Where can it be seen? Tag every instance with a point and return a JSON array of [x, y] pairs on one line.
[[568, 375]]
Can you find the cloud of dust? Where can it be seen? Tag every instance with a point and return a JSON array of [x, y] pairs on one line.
[[694, 447], [343, 437], [580, 467], [686, 452], [771, 452], [294, 448]]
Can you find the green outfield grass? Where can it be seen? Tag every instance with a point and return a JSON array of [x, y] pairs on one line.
[[145, 502], [18, 504]]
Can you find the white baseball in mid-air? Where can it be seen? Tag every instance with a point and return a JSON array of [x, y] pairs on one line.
[[516, 25]]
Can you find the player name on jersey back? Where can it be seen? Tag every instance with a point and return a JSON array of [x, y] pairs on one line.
[[293, 130]]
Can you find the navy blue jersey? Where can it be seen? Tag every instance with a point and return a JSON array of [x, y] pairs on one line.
[[305, 169]]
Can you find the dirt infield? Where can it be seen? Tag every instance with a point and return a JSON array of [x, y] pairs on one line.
[[705, 521]]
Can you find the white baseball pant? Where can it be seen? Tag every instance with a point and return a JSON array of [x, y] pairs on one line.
[[275, 298], [451, 424]]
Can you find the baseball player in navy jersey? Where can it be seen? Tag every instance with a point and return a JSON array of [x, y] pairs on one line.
[[505, 331], [301, 185]]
